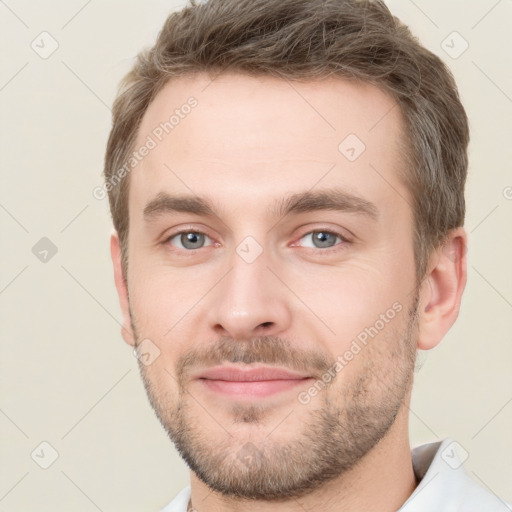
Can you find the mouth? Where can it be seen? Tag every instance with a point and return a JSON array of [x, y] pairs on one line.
[[249, 383]]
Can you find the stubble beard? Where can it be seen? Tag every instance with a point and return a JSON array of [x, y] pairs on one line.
[[334, 438]]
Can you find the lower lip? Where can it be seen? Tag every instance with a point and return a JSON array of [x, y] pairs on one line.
[[254, 389]]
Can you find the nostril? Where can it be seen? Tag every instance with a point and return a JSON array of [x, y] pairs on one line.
[[266, 324]]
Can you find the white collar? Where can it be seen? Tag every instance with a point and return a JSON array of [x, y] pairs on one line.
[[444, 484]]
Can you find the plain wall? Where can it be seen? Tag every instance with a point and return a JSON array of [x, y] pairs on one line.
[[67, 377]]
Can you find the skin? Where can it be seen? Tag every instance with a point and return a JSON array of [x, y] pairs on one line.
[[247, 144]]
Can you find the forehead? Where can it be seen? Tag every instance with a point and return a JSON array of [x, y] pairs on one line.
[[237, 134]]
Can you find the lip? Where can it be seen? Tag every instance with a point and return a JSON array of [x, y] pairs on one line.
[[251, 382], [260, 373]]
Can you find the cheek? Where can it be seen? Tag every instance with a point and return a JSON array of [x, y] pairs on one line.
[[358, 310], [344, 301], [157, 290], [165, 303], [153, 304]]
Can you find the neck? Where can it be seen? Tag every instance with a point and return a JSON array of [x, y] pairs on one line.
[[381, 482]]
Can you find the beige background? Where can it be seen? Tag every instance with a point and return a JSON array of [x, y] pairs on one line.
[[67, 377]]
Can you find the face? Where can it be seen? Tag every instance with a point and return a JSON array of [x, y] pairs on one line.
[[271, 277]]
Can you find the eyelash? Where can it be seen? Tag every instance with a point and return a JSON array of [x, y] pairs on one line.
[[334, 248]]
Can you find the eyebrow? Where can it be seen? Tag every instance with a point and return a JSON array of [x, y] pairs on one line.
[[308, 201]]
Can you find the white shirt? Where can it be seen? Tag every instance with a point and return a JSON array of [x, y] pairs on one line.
[[444, 484]]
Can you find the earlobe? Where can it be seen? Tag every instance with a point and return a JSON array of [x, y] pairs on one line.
[[441, 291], [122, 289]]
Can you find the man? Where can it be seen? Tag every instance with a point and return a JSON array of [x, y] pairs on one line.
[[286, 180]]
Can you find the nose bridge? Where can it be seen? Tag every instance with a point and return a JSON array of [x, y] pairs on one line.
[[249, 301]]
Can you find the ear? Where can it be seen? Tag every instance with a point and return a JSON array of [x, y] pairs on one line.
[[122, 289], [441, 290]]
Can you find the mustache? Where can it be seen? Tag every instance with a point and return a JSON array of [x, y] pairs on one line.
[[270, 350]]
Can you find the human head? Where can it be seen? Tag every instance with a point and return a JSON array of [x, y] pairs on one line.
[[253, 142]]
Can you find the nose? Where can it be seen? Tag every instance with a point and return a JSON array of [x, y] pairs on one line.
[[249, 301]]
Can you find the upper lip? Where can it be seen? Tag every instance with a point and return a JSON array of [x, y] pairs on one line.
[[237, 374]]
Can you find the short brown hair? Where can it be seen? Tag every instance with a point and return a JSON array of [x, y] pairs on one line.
[[307, 40]]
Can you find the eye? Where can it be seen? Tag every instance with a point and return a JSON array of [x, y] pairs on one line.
[[321, 239], [189, 240]]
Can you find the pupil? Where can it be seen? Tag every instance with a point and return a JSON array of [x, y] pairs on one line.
[[323, 239], [191, 240]]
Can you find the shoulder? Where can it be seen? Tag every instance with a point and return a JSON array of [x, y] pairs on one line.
[[475, 498], [180, 502], [444, 483]]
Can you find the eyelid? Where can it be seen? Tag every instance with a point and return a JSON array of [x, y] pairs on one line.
[[339, 245], [190, 229], [187, 229], [334, 231], [310, 227]]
